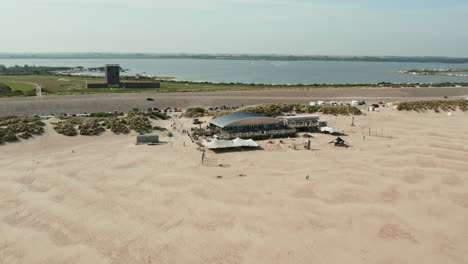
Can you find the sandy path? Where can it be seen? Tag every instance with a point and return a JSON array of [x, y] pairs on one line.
[[125, 102], [401, 198]]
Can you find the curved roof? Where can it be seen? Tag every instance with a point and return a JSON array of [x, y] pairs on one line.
[[242, 118]]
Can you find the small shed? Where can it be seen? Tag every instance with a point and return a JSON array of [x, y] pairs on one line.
[[147, 139]]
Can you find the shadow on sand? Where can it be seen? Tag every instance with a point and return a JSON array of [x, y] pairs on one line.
[[240, 149]]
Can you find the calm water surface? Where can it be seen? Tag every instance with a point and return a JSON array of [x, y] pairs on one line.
[[271, 72]]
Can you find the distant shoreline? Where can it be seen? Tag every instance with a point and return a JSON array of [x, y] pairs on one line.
[[454, 72], [409, 59]]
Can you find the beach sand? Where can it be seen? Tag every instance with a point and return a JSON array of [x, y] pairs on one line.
[[397, 196]]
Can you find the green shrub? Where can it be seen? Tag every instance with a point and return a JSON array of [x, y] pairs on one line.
[[269, 109], [101, 114], [117, 126], [2, 133], [435, 105], [194, 112], [31, 92], [159, 128], [91, 127], [333, 109], [66, 128], [24, 126], [12, 93], [8, 135], [158, 115], [25, 135], [275, 110], [139, 123], [4, 88]]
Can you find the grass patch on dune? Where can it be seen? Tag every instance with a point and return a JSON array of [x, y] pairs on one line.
[[435, 105], [275, 110], [194, 112], [98, 123], [12, 128]]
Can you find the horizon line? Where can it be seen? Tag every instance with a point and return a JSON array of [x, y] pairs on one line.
[[222, 54]]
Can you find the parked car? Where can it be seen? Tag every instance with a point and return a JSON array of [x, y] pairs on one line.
[[358, 102]]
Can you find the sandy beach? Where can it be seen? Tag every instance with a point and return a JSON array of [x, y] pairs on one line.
[[398, 196]]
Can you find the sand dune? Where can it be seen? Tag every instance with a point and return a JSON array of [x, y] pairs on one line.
[[399, 196]]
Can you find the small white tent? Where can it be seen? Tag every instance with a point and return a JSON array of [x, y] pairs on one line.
[[245, 143], [236, 143], [330, 130]]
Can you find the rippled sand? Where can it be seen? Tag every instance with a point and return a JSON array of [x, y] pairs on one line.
[[398, 197]]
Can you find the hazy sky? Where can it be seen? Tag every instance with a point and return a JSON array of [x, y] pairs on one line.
[[315, 27]]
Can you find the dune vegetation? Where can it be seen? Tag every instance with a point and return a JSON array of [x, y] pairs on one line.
[[435, 105], [194, 112], [12, 128], [98, 123], [275, 110]]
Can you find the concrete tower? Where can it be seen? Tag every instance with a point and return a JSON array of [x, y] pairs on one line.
[[112, 74]]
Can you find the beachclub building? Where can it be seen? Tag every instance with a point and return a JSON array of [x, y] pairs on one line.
[[249, 125]]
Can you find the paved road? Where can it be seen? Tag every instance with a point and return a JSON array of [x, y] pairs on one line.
[[54, 104]]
